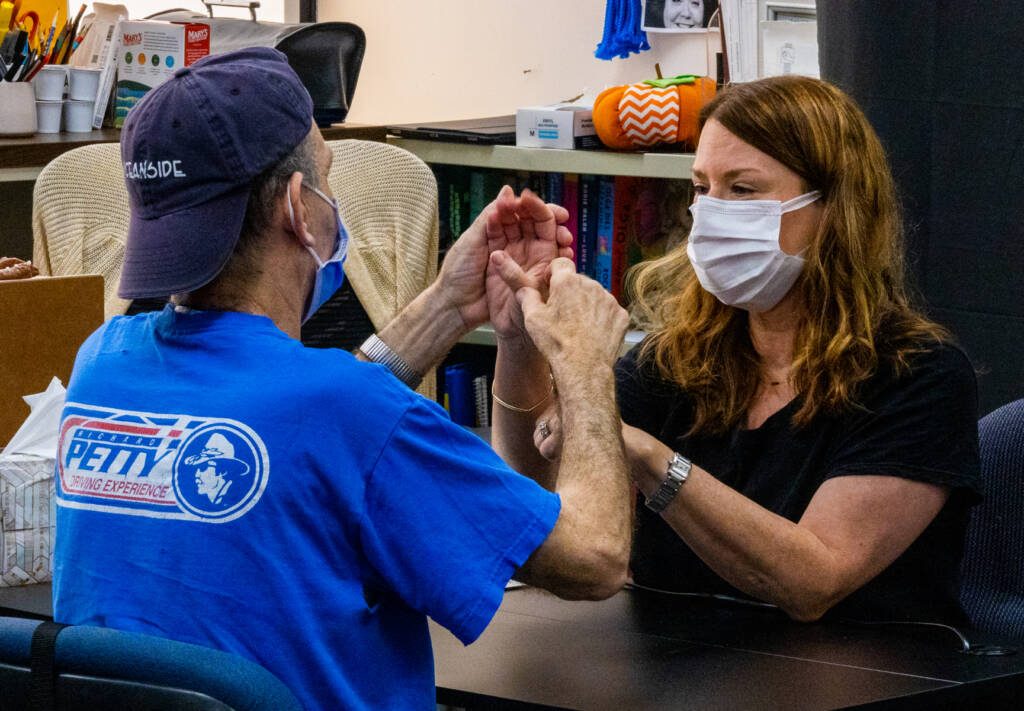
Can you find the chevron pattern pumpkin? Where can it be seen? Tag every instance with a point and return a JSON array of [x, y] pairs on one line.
[[643, 115]]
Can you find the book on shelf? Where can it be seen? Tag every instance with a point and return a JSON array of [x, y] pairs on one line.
[[587, 238], [604, 231], [571, 202], [627, 189]]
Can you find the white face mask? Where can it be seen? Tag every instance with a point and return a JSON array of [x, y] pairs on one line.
[[734, 249]]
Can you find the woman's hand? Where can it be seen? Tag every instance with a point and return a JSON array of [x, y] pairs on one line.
[[530, 234], [646, 456]]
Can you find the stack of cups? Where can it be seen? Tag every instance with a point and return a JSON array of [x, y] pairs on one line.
[[83, 86], [49, 86], [77, 109]]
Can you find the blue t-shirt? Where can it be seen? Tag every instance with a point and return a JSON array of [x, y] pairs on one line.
[[220, 484]]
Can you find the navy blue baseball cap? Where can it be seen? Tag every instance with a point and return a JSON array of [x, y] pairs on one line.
[[191, 149]]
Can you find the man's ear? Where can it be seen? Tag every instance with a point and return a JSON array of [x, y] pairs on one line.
[[295, 211]]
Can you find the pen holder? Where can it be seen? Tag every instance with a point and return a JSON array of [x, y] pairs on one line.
[[17, 109]]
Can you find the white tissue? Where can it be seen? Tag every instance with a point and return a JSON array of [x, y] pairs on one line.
[[37, 435]]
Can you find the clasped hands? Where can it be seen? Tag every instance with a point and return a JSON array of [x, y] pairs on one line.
[[504, 266]]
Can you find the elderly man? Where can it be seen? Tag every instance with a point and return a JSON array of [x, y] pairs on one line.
[[356, 508]]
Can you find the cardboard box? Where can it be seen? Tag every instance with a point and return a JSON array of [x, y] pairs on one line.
[[44, 321], [557, 126], [149, 53]]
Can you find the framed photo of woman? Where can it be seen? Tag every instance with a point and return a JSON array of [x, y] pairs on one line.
[[678, 15]]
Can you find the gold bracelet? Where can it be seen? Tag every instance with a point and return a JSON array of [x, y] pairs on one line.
[[513, 408]]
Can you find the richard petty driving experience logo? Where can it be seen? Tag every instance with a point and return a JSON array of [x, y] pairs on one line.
[[161, 466]]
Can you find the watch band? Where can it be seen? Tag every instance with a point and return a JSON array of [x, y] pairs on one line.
[[678, 472], [378, 351]]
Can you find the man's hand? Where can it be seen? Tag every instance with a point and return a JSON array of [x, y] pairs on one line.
[[580, 326]]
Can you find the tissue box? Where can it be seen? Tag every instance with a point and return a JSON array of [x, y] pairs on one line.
[[27, 516], [44, 321], [558, 126], [150, 53]]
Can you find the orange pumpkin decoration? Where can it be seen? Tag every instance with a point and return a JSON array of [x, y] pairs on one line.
[[652, 112]]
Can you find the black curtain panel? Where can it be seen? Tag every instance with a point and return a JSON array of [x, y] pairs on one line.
[[943, 84]]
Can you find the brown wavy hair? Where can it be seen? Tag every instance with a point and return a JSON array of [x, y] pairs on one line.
[[857, 315]]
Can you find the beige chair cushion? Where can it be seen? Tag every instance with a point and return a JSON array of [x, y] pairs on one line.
[[80, 218], [388, 200]]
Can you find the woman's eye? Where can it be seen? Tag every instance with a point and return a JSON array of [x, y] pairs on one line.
[[741, 190], [700, 189]]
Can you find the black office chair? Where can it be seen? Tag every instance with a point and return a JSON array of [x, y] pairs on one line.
[[86, 668], [992, 591]]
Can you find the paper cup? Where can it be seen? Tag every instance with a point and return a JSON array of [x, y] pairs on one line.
[[48, 116], [83, 84], [17, 109], [49, 83], [78, 116]]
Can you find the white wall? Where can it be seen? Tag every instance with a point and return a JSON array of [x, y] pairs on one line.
[[448, 59]]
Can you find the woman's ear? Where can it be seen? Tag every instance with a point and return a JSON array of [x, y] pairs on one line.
[[295, 211]]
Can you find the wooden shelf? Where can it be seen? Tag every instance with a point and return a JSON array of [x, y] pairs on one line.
[[651, 165]]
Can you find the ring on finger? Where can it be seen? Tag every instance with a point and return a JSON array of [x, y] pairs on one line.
[[543, 429]]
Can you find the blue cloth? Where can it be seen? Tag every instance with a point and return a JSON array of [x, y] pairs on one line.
[[221, 484], [622, 30]]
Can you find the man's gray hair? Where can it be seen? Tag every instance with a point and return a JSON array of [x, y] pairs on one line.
[[269, 186]]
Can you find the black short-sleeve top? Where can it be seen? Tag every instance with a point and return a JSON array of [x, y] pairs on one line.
[[920, 424]]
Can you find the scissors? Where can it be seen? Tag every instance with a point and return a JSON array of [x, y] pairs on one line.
[[33, 34]]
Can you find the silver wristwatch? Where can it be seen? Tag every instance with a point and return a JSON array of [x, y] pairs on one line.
[[378, 351], [678, 471]]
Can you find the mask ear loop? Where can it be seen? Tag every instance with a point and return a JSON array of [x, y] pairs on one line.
[[800, 201], [291, 217]]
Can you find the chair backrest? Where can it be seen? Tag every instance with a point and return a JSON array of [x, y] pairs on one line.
[[992, 591], [80, 218], [388, 198], [98, 668]]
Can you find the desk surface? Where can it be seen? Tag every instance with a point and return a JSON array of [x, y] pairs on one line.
[[23, 158], [643, 650], [647, 651]]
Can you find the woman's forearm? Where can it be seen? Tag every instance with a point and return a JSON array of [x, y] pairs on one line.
[[759, 552], [521, 379]]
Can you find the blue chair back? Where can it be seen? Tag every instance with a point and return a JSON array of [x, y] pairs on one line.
[[99, 668], [992, 591]]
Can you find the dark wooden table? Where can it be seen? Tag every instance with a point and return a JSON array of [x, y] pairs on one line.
[[643, 650]]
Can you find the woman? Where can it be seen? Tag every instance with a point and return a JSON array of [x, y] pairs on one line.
[[808, 437]]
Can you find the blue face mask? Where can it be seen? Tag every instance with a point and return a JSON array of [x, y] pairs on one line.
[[329, 275]]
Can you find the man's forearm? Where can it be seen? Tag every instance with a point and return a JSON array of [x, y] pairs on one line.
[[424, 331], [593, 468]]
